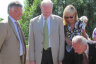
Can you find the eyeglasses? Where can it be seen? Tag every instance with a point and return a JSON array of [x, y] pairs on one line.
[[68, 17]]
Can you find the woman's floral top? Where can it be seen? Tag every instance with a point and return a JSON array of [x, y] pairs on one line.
[[79, 27]]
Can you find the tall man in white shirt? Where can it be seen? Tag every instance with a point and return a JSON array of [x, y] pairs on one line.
[[46, 37], [12, 42]]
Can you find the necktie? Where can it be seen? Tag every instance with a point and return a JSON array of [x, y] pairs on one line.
[[85, 60], [20, 38], [19, 30], [45, 30]]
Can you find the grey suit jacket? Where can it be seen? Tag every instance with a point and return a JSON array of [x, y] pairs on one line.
[[36, 39], [9, 44]]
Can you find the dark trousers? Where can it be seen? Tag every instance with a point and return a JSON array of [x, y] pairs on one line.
[[47, 57], [92, 54], [72, 58]]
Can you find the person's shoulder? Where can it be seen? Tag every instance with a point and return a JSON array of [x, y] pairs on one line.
[[91, 42], [35, 18], [95, 29], [56, 16], [4, 25], [4, 22]]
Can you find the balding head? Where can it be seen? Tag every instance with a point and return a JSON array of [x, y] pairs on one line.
[[46, 8], [46, 2], [79, 44]]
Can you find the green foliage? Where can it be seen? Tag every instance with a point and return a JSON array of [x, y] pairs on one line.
[[30, 11], [84, 7], [87, 8], [58, 7], [1, 19]]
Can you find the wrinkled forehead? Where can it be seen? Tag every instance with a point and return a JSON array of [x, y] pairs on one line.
[[15, 7], [75, 43], [47, 5]]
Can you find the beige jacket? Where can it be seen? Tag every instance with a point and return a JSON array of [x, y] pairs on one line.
[[9, 44], [36, 39]]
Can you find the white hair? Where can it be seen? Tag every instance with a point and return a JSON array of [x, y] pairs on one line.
[[79, 39], [46, 2], [82, 18]]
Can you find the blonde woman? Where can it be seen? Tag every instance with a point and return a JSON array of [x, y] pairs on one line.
[[72, 27]]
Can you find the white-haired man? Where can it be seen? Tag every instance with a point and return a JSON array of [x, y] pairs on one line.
[[82, 46], [46, 37], [12, 40]]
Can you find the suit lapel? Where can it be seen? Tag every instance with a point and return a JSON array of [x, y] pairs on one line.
[[12, 26], [23, 40], [40, 24], [51, 24]]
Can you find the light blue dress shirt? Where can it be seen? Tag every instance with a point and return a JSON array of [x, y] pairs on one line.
[[48, 22], [21, 46]]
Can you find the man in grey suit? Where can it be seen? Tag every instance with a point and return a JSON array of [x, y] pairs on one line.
[[12, 42], [46, 37]]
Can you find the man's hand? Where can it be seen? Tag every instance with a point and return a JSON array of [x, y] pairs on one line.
[[32, 62], [60, 62], [69, 42]]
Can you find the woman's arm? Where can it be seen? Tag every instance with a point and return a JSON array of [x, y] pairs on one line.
[[68, 41], [84, 34]]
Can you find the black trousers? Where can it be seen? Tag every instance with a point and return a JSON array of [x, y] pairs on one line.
[[92, 54], [47, 57], [72, 58]]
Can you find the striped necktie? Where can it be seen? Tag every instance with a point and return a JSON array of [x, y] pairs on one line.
[[21, 38]]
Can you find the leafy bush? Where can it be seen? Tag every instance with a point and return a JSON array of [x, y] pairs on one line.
[[84, 7]]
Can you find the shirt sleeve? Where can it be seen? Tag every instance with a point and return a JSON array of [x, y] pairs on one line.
[[83, 25], [94, 33]]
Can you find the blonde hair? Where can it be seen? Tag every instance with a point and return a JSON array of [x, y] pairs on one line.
[[69, 9]]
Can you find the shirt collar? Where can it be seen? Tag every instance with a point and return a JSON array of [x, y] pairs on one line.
[[44, 17], [13, 20]]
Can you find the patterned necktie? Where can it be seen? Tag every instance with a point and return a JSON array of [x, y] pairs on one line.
[[19, 30], [45, 30], [21, 37]]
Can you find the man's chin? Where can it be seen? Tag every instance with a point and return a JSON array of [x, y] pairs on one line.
[[80, 53]]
